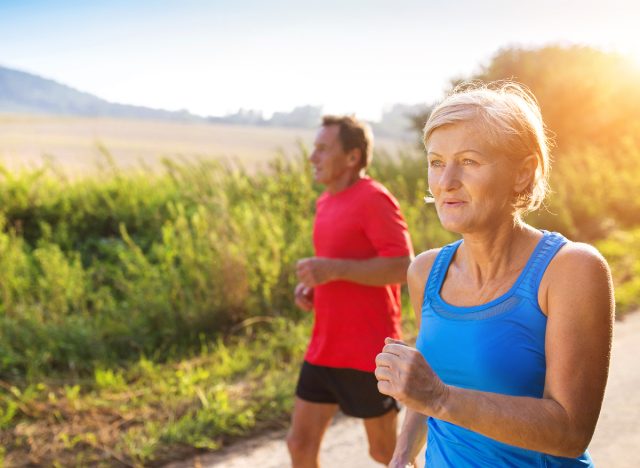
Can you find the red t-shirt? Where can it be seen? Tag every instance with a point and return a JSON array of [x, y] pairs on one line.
[[352, 320]]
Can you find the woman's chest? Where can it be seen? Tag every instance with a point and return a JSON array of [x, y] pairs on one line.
[[497, 349]]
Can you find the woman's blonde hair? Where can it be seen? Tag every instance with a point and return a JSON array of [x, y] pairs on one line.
[[508, 115]]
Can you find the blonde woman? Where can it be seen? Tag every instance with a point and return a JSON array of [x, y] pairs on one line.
[[516, 323]]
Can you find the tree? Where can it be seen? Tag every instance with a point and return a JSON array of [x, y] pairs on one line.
[[587, 96]]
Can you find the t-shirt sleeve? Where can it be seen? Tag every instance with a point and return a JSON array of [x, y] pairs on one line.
[[385, 226]]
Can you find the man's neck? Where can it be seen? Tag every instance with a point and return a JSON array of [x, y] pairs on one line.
[[345, 182]]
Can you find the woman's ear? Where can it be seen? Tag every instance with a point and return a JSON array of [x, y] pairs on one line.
[[525, 173]]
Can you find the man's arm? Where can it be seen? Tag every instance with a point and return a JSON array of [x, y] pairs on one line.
[[376, 271], [386, 231]]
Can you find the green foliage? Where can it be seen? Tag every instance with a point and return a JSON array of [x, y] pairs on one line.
[[99, 271], [149, 412], [586, 95], [144, 313], [592, 191], [622, 250]]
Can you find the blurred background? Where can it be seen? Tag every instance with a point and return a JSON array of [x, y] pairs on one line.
[[154, 191]]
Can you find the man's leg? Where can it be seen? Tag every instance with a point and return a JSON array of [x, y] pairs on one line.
[[381, 433], [308, 425]]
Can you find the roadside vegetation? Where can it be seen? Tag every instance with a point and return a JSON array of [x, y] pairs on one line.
[[146, 315]]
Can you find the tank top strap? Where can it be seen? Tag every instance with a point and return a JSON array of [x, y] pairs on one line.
[[439, 270], [544, 252]]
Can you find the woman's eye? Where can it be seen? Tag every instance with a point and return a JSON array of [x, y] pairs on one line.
[[435, 163], [468, 162]]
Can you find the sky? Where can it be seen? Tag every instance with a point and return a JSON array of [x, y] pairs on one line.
[[216, 57]]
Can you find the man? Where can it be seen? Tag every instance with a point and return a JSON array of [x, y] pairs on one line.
[[362, 250]]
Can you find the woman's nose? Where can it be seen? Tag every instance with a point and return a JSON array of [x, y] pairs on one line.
[[450, 177]]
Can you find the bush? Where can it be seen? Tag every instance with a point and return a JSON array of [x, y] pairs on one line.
[[99, 271]]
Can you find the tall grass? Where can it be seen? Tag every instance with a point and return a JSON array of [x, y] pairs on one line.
[[105, 269], [144, 313], [102, 270]]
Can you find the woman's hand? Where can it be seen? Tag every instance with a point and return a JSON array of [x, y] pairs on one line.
[[405, 375]]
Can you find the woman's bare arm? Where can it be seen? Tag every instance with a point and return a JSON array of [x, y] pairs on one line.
[[577, 296], [412, 438], [414, 427]]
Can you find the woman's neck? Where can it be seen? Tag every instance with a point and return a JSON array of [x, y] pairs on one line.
[[487, 256]]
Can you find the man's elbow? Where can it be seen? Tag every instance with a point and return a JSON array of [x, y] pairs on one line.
[[403, 266]]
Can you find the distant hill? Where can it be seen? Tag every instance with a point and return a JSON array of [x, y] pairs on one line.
[[22, 92]]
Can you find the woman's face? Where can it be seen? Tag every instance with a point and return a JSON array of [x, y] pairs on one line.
[[473, 187]]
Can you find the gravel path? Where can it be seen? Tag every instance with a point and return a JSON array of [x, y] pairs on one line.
[[616, 439]]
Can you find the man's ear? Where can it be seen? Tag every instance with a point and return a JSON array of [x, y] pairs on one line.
[[354, 157], [525, 173]]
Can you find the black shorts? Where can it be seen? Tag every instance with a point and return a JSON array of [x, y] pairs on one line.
[[355, 391]]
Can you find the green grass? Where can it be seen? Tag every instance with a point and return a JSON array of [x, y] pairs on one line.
[[150, 411], [144, 316]]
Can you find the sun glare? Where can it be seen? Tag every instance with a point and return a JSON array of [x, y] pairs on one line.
[[634, 56]]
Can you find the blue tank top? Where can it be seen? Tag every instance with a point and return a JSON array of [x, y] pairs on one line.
[[494, 347]]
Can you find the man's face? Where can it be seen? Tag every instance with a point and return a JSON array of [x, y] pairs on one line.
[[329, 160]]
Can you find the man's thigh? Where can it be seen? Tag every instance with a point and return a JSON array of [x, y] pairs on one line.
[[310, 421], [381, 431], [382, 428]]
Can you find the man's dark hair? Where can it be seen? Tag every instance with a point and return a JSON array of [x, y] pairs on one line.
[[353, 134]]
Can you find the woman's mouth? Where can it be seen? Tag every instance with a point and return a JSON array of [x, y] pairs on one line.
[[453, 203]]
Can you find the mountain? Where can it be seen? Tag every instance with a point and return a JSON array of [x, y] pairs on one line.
[[23, 92]]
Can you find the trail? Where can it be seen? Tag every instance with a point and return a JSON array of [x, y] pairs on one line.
[[614, 444]]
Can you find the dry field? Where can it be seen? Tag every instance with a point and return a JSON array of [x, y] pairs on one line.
[[73, 143]]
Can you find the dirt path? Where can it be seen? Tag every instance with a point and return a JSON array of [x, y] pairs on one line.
[[616, 439]]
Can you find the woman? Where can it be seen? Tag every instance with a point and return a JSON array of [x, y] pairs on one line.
[[513, 350]]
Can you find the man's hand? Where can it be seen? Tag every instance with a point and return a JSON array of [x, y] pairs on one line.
[[395, 464], [400, 464], [314, 271], [405, 375], [304, 297]]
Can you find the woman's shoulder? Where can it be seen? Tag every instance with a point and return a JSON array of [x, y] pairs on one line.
[[576, 255], [418, 272], [421, 265], [577, 264], [577, 286]]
